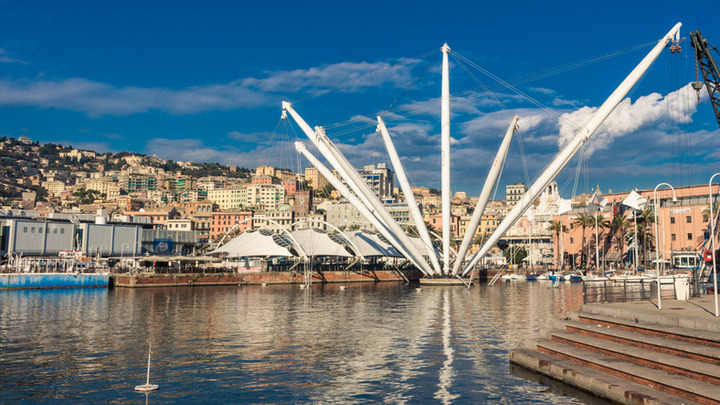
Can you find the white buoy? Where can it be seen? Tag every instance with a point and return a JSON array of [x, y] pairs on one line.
[[418, 289], [302, 286], [147, 387], [264, 284], [343, 287]]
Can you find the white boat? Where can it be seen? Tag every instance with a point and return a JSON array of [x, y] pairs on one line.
[[513, 277], [628, 277], [651, 276], [147, 387], [595, 278]]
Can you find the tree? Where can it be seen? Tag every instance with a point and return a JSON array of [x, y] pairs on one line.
[[557, 227], [619, 226], [515, 254], [645, 236], [583, 220], [327, 190], [41, 194], [86, 196], [599, 222], [481, 238]]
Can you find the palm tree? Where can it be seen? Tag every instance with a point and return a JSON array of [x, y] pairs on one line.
[[706, 211], [556, 227], [706, 218], [583, 220], [481, 238], [598, 221], [619, 226], [645, 222]]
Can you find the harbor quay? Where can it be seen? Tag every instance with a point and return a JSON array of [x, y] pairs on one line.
[[264, 278], [633, 352]]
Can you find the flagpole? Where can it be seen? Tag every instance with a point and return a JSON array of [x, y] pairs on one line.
[[597, 243], [636, 241]]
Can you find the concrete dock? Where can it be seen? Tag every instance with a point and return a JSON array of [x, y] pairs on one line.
[[634, 353]]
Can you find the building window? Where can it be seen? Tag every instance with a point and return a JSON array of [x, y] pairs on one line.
[[25, 229], [672, 220], [62, 230], [689, 236], [672, 237], [572, 240], [688, 219]]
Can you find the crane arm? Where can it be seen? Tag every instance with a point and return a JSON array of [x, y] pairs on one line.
[[709, 69]]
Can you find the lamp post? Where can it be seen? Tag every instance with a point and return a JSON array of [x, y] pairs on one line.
[[712, 238], [657, 238]]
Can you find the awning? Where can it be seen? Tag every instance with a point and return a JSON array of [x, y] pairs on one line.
[[258, 243]]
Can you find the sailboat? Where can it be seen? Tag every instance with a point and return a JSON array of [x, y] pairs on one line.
[[147, 387]]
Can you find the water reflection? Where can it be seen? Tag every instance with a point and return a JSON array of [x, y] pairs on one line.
[[370, 343]]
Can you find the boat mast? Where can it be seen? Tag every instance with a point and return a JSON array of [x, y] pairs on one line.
[[445, 158], [487, 189], [562, 158], [409, 197], [148, 372]]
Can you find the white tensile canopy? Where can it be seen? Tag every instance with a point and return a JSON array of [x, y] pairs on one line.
[[317, 242], [258, 243], [421, 247], [314, 242], [372, 244]]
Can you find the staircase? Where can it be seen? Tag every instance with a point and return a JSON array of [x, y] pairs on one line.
[[633, 353]]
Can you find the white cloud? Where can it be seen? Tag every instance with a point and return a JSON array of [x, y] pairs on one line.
[[97, 99], [629, 117], [350, 76], [5, 58], [277, 154]]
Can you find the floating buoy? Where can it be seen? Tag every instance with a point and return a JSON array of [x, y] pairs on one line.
[[264, 284], [343, 287], [418, 289]]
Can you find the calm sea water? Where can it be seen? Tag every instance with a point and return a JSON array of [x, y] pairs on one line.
[[372, 343]]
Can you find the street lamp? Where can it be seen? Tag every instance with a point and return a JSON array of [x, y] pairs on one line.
[[657, 238], [712, 238]]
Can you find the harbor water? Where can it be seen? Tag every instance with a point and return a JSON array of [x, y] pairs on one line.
[[369, 343]]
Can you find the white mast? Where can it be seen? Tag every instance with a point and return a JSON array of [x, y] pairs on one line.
[[445, 158], [355, 201], [574, 145], [358, 185], [487, 189], [409, 197], [314, 136], [353, 178]]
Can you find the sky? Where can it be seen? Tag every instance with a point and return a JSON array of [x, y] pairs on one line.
[[204, 81]]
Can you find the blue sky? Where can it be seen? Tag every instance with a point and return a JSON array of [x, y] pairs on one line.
[[204, 81]]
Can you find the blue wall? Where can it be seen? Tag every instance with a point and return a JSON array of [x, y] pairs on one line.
[[53, 280]]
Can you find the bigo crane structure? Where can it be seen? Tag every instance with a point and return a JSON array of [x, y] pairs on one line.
[[443, 265]]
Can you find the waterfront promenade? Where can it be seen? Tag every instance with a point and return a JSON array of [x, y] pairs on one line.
[[633, 352]]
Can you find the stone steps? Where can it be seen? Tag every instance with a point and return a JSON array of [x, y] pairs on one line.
[[627, 358], [587, 379], [677, 347]]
